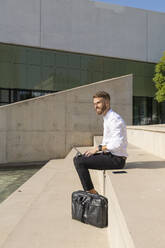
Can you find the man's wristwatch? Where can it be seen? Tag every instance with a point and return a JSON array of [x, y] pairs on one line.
[[100, 148]]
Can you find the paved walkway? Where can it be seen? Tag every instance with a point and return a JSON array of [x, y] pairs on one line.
[[141, 196], [38, 214]]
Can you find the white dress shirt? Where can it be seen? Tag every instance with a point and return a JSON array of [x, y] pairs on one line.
[[115, 134]]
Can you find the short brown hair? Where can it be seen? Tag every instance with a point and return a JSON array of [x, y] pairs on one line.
[[102, 94]]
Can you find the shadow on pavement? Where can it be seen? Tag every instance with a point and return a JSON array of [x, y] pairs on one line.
[[145, 165]]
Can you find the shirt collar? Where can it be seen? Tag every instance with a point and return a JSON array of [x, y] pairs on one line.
[[107, 114]]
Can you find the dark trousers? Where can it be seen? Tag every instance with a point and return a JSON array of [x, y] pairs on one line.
[[98, 161]]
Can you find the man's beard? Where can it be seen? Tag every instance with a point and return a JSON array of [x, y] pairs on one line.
[[100, 111]]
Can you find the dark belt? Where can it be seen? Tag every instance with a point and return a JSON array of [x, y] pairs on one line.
[[122, 157], [116, 155]]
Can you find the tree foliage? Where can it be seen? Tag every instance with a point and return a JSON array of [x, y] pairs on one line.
[[159, 79]]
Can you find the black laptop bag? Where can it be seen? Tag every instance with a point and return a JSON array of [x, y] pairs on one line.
[[90, 208]]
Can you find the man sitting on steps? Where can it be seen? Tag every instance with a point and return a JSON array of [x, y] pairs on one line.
[[112, 153]]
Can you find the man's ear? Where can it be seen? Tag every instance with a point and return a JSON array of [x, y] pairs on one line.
[[107, 103]]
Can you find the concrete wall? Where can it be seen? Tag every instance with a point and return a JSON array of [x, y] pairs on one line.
[[149, 138], [84, 26], [46, 127]]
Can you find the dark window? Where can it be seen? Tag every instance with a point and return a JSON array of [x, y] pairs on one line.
[[14, 95], [147, 111]]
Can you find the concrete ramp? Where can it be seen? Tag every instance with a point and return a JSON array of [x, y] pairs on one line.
[[31, 129], [38, 214]]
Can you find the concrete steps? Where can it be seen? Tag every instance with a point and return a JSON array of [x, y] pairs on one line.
[[38, 214], [140, 194], [136, 201]]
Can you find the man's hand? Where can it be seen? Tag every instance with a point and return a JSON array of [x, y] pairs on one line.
[[91, 152]]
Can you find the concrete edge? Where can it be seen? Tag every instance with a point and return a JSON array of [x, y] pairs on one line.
[[159, 128], [118, 232], [65, 91], [150, 139], [20, 201]]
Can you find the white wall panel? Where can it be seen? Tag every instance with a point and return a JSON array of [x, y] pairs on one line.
[[84, 26], [20, 22], [96, 28], [156, 35]]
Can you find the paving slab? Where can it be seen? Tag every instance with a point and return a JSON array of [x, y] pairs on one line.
[[140, 193], [38, 214]]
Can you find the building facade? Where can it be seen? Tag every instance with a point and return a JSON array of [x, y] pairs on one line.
[[53, 45]]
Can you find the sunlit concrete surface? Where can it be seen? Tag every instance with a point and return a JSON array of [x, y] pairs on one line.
[[140, 193], [150, 138], [38, 214], [136, 200]]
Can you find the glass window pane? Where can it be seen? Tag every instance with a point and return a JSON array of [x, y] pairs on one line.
[[61, 79], [19, 76], [33, 76], [48, 58], [4, 96], [5, 53], [74, 78], [19, 55], [33, 56], [61, 60], [74, 61], [6, 75]]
